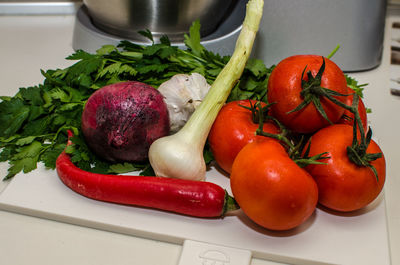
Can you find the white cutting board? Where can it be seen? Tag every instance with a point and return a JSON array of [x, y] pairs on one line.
[[325, 238]]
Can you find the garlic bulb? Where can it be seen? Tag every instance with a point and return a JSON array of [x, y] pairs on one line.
[[183, 94]]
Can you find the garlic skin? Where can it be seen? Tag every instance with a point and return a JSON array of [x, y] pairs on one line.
[[183, 94]]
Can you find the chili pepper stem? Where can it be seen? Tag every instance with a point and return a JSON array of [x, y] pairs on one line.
[[230, 204]]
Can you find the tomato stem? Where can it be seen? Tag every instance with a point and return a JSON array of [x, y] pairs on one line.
[[312, 92], [262, 117], [313, 160], [357, 152], [305, 160], [294, 150], [257, 111]]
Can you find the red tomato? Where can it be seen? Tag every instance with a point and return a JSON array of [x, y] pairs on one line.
[[342, 185], [285, 85], [232, 130], [348, 116], [270, 188]]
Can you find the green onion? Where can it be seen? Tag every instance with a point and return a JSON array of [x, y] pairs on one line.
[[181, 155]]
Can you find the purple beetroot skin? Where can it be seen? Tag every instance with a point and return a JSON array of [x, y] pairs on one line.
[[120, 121]]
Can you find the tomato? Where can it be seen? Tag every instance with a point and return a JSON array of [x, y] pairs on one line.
[[285, 87], [232, 130], [270, 188], [348, 116], [343, 185]]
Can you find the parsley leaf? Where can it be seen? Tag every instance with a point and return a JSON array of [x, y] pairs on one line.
[[353, 84], [192, 40], [122, 168], [13, 114], [25, 159], [358, 88]]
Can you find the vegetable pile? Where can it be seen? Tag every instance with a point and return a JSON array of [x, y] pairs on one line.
[[321, 150], [33, 123], [289, 136]]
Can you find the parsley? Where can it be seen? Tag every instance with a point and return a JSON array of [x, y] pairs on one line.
[[33, 123], [358, 88], [353, 84]]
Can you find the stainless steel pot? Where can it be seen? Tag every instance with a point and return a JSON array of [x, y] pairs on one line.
[[124, 18]]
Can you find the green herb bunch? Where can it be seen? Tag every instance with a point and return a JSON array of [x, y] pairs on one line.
[[34, 122]]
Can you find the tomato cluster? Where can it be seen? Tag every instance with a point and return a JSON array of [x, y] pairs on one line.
[[311, 145]]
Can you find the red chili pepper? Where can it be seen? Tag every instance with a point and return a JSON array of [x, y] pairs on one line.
[[188, 197]]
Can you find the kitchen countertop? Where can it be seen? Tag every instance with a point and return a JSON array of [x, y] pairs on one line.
[[31, 43], [39, 7]]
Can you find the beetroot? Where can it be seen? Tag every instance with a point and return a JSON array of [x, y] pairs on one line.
[[120, 121]]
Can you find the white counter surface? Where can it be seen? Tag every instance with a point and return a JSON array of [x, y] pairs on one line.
[[31, 43]]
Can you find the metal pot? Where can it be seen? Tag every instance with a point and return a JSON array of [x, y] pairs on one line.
[[124, 18]]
